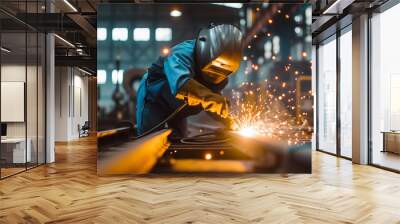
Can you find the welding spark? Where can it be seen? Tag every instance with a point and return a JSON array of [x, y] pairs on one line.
[[274, 108], [248, 132], [270, 108]]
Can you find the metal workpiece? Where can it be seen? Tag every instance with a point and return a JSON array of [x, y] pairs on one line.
[[271, 154], [136, 157], [220, 152]]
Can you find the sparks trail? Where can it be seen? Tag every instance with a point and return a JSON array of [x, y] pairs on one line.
[[269, 109]]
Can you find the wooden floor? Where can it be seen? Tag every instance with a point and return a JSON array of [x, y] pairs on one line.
[[10, 171], [69, 191], [386, 159]]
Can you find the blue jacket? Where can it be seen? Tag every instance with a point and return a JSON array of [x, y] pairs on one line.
[[159, 86]]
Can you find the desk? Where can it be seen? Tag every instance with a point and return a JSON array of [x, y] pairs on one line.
[[391, 141], [13, 150]]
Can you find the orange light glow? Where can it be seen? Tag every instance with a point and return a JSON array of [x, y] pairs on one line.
[[248, 132], [165, 51], [208, 156], [270, 110]]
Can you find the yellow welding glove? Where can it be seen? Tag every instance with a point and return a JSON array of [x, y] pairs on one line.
[[195, 94], [231, 124]]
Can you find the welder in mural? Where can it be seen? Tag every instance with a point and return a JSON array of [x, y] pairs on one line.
[[189, 80]]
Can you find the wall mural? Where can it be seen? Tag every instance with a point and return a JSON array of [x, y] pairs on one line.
[[204, 88]]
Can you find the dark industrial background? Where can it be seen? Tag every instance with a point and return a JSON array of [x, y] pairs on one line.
[[277, 43]]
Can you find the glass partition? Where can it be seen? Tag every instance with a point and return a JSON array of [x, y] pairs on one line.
[[327, 96], [31, 97], [15, 151], [22, 90]]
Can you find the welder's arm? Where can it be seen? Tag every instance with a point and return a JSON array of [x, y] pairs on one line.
[[195, 94]]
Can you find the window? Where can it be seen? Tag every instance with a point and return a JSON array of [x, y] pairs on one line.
[[276, 44], [308, 14], [346, 94], [327, 96], [101, 76], [385, 89], [117, 76], [141, 34], [101, 34], [163, 34], [268, 49], [119, 34]]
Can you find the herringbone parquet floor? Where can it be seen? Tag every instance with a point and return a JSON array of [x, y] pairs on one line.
[[69, 191]]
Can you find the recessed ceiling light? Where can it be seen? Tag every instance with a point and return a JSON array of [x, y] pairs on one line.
[[231, 5], [64, 40], [70, 5], [5, 50], [175, 13], [84, 71]]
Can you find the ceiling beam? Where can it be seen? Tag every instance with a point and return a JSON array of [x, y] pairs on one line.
[[78, 61], [86, 27], [337, 7]]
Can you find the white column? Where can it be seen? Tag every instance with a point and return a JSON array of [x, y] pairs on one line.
[[50, 99], [360, 90], [50, 92]]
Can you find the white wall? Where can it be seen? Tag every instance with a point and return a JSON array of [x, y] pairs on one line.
[[61, 103], [71, 102], [33, 127], [12, 73]]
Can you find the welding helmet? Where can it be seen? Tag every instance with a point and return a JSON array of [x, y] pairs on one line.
[[218, 52]]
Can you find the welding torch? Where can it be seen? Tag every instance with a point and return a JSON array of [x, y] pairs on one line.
[[231, 124]]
